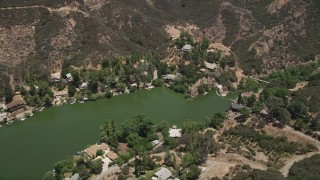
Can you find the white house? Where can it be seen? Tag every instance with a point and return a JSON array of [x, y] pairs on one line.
[[155, 142], [174, 132], [69, 77], [186, 47], [84, 85]]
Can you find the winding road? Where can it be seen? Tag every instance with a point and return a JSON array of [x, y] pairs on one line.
[[61, 9], [285, 169]]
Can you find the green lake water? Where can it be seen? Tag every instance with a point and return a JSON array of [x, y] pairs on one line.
[[29, 149]]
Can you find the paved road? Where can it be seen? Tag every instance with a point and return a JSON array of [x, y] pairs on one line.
[[111, 170]]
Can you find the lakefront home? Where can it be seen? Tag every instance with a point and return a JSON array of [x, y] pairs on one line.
[[236, 107], [16, 105], [174, 132], [92, 150]]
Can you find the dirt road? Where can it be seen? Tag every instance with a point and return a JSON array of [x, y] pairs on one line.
[[64, 9], [285, 169]]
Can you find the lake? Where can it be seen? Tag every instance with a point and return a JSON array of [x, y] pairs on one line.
[[30, 148]]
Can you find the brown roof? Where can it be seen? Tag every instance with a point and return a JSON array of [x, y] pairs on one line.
[[16, 103], [111, 155], [92, 150]]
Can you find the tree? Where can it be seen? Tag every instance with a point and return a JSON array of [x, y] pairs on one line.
[[71, 90], [297, 109], [283, 115], [188, 159], [216, 121], [190, 127], [76, 78], [8, 93], [49, 176], [96, 166], [169, 159], [245, 112], [109, 94], [47, 100], [315, 123], [109, 134], [138, 124], [125, 170], [192, 173]]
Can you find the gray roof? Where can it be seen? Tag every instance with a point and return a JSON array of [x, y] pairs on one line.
[[163, 174], [75, 177], [236, 106]]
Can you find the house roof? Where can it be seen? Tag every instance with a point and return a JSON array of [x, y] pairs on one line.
[[175, 132], [170, 76], [92, 150], [69, 75], [163, 174], [56, 75], [186, 47], [210, 66], [246, 94], [264, 112], [111, 155], [155, 142], [236, 106], [60, 93], [15, 103], [75, 176]]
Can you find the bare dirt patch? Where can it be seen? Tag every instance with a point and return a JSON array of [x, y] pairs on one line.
[[299, 85], [277, 5], [216, 168], [174, 31], [291, 134], [224, 50]]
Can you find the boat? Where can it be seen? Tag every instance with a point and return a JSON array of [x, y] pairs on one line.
[[9, 122], [22, 119]]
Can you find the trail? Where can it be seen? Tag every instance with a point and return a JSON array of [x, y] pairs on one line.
[[285, 169], [67, 9]]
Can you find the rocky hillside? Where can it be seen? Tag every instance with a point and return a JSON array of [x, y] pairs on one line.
[[37, 36]]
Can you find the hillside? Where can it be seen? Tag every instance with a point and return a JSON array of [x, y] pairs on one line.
[[38, 36]]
